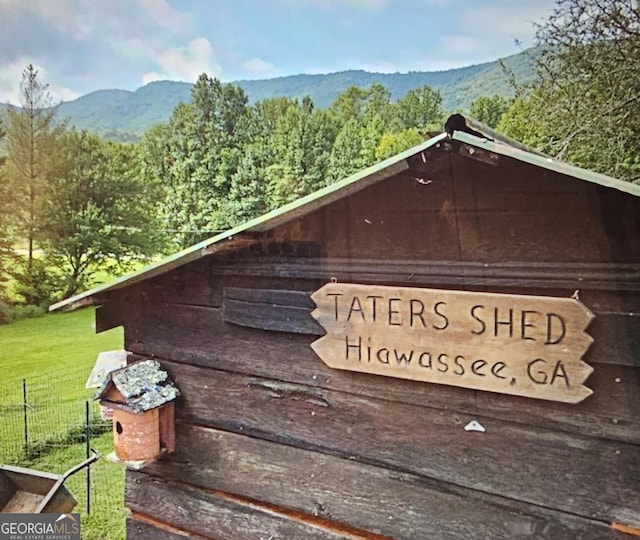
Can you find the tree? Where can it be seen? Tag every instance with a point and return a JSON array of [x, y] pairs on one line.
[[391, 144], [99, 210], [489, 110], [586, 106], [300, 140], [6, 240], [248, 191], [363, 115], [31, 137], [195, 156], [420, 108], [373, 128], [359, 103]]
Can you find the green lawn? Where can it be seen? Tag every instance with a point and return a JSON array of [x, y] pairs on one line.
[[55, 354], [61, 342]]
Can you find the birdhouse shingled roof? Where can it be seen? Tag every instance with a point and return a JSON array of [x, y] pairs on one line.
[[231, 239], [143, 385]]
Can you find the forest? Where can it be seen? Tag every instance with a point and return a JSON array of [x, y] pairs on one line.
[[123, 116], [75, 207]]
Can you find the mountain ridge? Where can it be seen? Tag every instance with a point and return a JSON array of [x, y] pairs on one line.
[[119, 114]]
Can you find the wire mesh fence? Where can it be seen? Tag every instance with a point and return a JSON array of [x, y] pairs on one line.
[[48, 423]]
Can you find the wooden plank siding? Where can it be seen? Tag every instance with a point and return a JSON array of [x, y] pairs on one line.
[[199, 336], [616, 334], [177, 506], [386, 503], [611, 292], [270, 386], [572, 473], [142, 527], [271, 443]]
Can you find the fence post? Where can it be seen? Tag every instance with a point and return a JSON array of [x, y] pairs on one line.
[[87, 426], [24, 409]]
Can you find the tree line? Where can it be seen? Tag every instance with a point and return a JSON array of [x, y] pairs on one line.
[[73, 206]]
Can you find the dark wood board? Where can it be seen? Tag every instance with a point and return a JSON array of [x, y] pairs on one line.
[[585, 221], [475, 212], [209, 514], [273, 317], [271, 297], [552, 277], [141, 528], [386, 502], [607, 289], [199, 336], [581, 475]]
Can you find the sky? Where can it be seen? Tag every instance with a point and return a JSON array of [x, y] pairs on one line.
[[80, 46]]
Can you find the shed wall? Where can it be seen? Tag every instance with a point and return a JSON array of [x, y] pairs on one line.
[[272, 443]]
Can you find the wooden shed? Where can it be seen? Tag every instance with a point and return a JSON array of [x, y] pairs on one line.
[[443, 346]]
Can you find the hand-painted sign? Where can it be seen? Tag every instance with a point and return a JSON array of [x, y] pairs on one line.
[[513, 344]]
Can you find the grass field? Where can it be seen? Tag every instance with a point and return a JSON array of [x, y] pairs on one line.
[[55, 355], [61, 342]]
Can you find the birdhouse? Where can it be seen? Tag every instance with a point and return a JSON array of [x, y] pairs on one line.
[[141, 397]]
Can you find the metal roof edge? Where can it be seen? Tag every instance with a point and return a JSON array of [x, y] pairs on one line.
[[287, 212]]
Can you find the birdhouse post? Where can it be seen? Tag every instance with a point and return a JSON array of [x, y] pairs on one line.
[[141, 397]]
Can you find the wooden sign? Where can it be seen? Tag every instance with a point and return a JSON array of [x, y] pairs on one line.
[[513, 344]]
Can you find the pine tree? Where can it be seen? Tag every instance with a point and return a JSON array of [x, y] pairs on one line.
[[31, 133]]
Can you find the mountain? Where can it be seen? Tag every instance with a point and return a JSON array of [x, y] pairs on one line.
[[124, 115], [458, 87]]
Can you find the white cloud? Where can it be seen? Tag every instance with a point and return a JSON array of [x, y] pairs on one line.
[[11, 76], [185, 63], [82, 19], [165, 16], [484, 33], [505, 22], [140, 40], [62, 93], [153, 76], [258, 66], [365, 4], [461, 45], [65, 15]]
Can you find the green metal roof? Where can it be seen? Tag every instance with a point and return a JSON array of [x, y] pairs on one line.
[[332, 193]]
